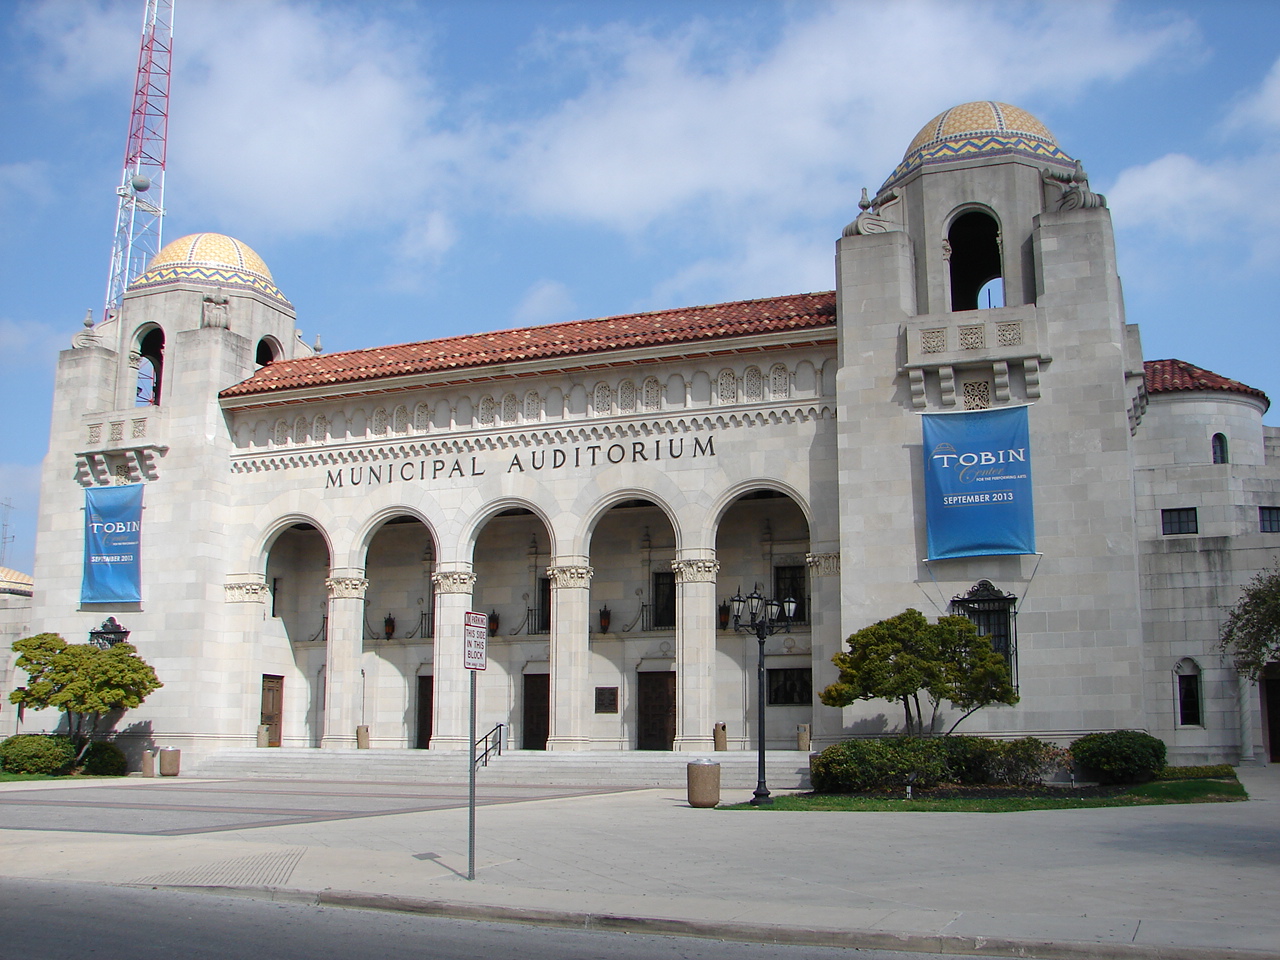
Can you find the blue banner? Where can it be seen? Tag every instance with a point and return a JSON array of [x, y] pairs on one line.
[[112, 540], [977, 483]]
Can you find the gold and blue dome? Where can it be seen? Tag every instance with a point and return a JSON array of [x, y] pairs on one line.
[[983, 128], [210, 260]]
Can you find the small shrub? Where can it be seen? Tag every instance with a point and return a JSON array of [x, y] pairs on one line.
[[36, 753], [1122, 756], [1215, 771], [857, 765], [105, 760], [982, 760]]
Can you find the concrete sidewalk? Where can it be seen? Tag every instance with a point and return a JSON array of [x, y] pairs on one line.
[[1184, 881]]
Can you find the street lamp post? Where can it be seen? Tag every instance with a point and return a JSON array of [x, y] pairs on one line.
[[765, 618]]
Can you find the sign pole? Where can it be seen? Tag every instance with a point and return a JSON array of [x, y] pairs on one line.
[[471, 803], [474, 635]]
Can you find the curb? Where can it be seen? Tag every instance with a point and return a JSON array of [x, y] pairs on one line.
[[734, 932]]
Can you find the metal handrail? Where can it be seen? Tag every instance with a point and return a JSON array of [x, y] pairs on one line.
[[490, 749]]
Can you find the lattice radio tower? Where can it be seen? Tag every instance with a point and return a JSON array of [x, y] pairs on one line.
[[141, 190]]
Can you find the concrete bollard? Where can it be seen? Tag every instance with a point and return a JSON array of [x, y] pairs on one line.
[[170, 761], [720, 733], [148, 763], [704, 783], [264, 735], [362, 737], [802, 737]]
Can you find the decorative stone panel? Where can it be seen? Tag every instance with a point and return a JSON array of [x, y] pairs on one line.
[[933, 341], [346, 588], [245, 588], [453, 581], [695, 571], [823, 564], [570, 576]]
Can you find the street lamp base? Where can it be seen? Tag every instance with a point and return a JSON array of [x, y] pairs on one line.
[[761, 798]]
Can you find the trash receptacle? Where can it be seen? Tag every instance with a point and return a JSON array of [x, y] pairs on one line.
[[704, 783], [148, 763], [720, 734], [170, 761], [362, 737], [802, 737], [264, 735]]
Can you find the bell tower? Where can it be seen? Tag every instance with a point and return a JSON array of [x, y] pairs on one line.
[[982, 275]]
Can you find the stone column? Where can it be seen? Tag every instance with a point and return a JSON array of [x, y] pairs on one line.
[[695, 651], [1245, 688], [248, 592], [825, 640], [343, 690], [452, 703], [570, 610]]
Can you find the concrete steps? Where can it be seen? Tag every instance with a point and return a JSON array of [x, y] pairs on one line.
[[786, 769]]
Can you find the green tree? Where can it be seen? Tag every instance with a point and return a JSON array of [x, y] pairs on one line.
[[82, 680], [907, 659], [1251, 634]]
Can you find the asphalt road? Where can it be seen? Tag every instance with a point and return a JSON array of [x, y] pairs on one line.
[[64, 921]]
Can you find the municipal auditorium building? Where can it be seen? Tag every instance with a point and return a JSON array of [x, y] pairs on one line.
[[966, 424]]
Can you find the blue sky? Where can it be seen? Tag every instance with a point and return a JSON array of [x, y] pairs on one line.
[[412, 170]]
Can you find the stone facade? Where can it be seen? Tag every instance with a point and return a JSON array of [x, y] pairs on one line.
[[317, 525]]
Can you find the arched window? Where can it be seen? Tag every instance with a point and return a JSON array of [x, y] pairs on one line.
[[974, 245], [268, 352], [1187, 677], [150, 368], [1220, 448]]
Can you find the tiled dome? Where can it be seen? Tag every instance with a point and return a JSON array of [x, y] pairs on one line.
[[980, 128], [212, 260], [14, 582]]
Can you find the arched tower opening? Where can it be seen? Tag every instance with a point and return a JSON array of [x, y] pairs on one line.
[[976, 274], [150, 368]]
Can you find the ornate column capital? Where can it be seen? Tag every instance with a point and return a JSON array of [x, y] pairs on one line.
[[823, 564], [573, 575], [695, 571], [454, 581], [346, 588], [245, 588]]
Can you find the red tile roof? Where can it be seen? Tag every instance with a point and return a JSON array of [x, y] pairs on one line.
[[1170, 376], [577, 338]]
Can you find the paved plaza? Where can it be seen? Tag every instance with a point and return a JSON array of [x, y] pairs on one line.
[[1182, 881]]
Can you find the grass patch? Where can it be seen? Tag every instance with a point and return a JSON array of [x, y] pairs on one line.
[[1142, 795], [6, 777]]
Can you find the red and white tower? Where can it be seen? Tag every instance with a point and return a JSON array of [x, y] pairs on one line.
[[141, 190]]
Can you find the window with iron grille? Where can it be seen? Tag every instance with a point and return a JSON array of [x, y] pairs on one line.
[[664, 600], [1179, 520], [992, 612], [1269, 519], [1219, 445], [540, 616], [789, 584], [790, 686]]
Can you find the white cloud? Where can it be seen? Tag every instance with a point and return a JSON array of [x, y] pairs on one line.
[[83, 44], [22, 183], [1261, 108], [762, 263], [26, 346], [676, 124], [546, 301], [1228, 199]]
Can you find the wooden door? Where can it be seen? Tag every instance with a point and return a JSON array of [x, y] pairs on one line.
[[272, 708], [656, 711], [537, 711], [426, 707]]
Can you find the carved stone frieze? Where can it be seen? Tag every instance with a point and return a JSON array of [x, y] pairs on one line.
[[245, 589], [695, 571], [572, 575], [823, 564], [215, 310], [453, 581], [346, 588]]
